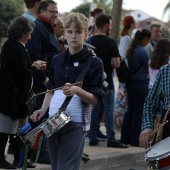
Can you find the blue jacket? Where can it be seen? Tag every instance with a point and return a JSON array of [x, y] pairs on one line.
[[140, 58]]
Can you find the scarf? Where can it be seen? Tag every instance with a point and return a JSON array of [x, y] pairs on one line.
[[45, 20], [83, 55]]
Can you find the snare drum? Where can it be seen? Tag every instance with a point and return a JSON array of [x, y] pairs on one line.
[[49, 127], [158, 155]]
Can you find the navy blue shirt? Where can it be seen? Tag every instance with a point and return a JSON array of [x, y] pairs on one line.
[[62, 72]]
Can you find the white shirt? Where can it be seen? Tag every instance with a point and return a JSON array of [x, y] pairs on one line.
[[124, 43]]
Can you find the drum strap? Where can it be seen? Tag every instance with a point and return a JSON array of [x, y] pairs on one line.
[[164, 132], [79, 78]]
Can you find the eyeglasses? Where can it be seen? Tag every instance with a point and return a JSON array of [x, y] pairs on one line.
[[53, 12]]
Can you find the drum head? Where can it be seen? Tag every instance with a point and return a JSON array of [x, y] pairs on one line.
[[159, 151]]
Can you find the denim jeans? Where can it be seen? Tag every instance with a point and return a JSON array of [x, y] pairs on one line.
[[105, 104]]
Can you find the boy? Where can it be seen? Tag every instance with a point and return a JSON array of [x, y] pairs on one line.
[[66, 145]]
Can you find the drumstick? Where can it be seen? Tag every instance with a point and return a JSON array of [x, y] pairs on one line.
[[80, 82], [163, 124]]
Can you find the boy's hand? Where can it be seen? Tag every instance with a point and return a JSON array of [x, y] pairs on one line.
[[37, 115], [70, 90]]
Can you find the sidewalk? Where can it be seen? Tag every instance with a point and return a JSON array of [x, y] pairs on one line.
[[103, 158]]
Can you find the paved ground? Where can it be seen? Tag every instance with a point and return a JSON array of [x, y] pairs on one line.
[[103, 158]]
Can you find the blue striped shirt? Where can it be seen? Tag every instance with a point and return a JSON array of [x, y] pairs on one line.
[[158, 95]]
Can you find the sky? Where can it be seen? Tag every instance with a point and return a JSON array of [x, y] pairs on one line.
[[152, 7]]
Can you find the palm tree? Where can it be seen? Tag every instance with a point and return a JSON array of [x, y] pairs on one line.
[[116, 16], [166, 9]]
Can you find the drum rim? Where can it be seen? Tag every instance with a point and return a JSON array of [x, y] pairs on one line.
[[165, 155]]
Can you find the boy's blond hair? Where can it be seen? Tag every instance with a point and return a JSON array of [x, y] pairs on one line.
[[78, 19]]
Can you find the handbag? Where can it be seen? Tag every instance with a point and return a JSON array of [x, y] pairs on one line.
[[123, 73], [30, 102]]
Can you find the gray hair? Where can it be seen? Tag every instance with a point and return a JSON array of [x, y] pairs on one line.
[[19, 26], [155, 24]]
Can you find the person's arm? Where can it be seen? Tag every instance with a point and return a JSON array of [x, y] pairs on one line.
[[116, 62], [149, 112], [38, 114], [87, 97], [35, 46], [114, 54], [21, 65], [144, 137]]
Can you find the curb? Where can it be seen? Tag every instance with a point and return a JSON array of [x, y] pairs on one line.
[[112, 160]]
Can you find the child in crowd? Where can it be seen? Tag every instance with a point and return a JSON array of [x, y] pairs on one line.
[[66, 145]]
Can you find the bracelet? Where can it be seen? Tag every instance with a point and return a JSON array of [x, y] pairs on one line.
[[43, 109]]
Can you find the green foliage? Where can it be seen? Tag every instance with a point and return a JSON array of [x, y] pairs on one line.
[[83, 8], [106, 4], [165, 32], [166, 9], [9, 9]]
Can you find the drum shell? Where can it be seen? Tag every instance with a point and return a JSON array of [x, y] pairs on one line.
[[49, 127], [158, 156]]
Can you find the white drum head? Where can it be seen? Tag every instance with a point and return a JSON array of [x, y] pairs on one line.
[[159, 151]]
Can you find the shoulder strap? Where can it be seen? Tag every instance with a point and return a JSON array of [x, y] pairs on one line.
[[79, 78]]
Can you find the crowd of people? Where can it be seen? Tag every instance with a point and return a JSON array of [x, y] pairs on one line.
[[44, 52]]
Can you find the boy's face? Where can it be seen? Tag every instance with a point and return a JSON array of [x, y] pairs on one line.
[[75, 38]]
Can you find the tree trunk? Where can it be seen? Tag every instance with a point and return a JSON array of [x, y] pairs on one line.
[[116, 16]]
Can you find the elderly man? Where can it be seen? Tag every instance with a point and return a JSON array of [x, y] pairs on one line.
[[59, 31], [156, 33], [43, 45]]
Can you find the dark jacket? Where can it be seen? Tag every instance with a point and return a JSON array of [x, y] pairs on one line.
[[43, 45], [16, 60]]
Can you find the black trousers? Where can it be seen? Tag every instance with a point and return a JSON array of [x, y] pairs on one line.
[[15, 144]]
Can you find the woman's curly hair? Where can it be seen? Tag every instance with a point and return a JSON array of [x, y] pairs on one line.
[[20, 26]]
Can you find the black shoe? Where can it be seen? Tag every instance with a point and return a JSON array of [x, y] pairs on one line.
[[6, 165], [94, 142], [116, 144], [29, 164], [85, 157]]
